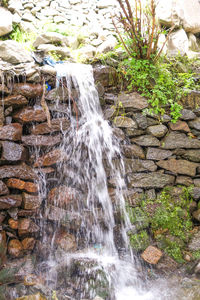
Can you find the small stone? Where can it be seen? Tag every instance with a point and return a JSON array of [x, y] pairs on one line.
[[22, 185], [146, 140], [157, 154], [9, 201], [13, 223], [157, 130], [31, 202], [30, 114], [196, 215], [179, 126], [13, 152], [195, 124], [3, 188], [15, 248], [141, 120], [133, 151], [12, 132], [152, 255], [28, 243], [179, 166]]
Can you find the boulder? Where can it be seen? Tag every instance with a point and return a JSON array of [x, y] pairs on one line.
[[12, 132], [13, 152], [150, 180], [178, 43], [195, 124], [168, 13], [14, 53], [49, 159], [187, 114], [5, 21], [179, 126], [179, 166]]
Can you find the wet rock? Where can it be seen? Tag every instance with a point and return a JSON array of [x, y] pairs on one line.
[[15, 248], [3, 89], [41, 140], [179, 126], [28, 243], [21, 171], [141, 120], [55, 213], [179, 166], [31, 202], [9, 201], [158, 154], [152, 255], [194, 244], [30, 114], [61, 94], [166, 264], [3, 188], [45, 171], [13, 152], [124, 122], [187, 115], [179, 140], [184, 180], [106, 75], [137, 165], [133, 197], [60, 124], [133, 151], [37, 296], [15, 183], [119, 134], [14, 53], [132, 100], [3, 248], [65, 241], [157, 130], [50, 158], [27, 226], [196, 215], [14, 100], [13, 223], [61, 196], [146, 140], [11, 132], [26, 213], [150, 180], [28, 90]]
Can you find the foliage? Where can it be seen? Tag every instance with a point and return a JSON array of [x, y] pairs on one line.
[[139, 241]]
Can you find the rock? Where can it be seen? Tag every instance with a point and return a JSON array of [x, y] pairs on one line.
[[124, 122], [14, 53], [196, 182], [60, 94], [1, 116], [132, 100], [179, 126], [178, 43], [195, 193], [65, 241], [3, 188], [196, 215], [60, 124], [146, 140], [15, 248], [191, 100], [107, 45], [15, 183], [194, 244], [192, 155], [106, 75], [141, 120], [30, 114], [133, 151], [184, 180], [157, 130], [150, 180], [41, 140], [178, 166], [152, 255], [166, 265], [14, 100], [137, 165], [3, 89], [187, 115], [28, 243], [37, 296], [119, 134], [167, 13], [13, 152], [27, 226], [179, 140], [31, 202], [11, 132], [3, 248], [21, 171], [5, 21], [50, 38], [13, 223], [191, 12], [131, 132], [9, 201], [62, 196], [157, 154], [195, 124], [28, 90], [50, 158]]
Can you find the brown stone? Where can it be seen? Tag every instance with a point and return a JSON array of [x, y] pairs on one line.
[[60, 124], [22, 185], [13, 151], [28, 90], [13, 223], [9, 201], [179, 140], [195, 124], [132, 100], [124, 122], [50, 158], [15, 248], [12, 132], [14, 100], [31, 202], [28, 243], [106, 75], [179, 126], [196, 215], [27, 226], [184, 180], [3, 248], [61, 196], [30, 114], [150, 180], [65, 241], [2, 116], [26, 213], [3, 188], [157, 154], [3, 89], [45, 171], [178, 166], [157, 130], [152, 255], [133, 151], [22, 171], [41, 140]]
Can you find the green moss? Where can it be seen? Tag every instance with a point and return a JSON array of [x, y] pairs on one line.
[[138, 217], [139, 241], [196, 254]]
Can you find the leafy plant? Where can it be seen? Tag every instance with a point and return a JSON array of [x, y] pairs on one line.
[[20, 36]]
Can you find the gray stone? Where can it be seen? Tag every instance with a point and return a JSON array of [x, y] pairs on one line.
[[132, 100], [195, 124], [187, 115], [146, 140], [13, 151], [124, 122], [22, 171], [14, 53], [158, 154], [184, 180], [157, 130], [178, 43], [192, 155], [5, 21], [179, 140], [150, 180], [195, 193], [141, 120], [50, 38], [41, 140], [131, 132], [178, 166], [137, 165], [196, 182], [3, 188], [133, 151]]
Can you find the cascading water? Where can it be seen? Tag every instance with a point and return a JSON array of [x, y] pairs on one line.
[[89, 150]]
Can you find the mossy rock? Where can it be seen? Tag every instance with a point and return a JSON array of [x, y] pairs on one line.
[[138, 218], [139, 241]]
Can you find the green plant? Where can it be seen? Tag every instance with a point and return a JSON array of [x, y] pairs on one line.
[[20, 36], [139, 241]]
